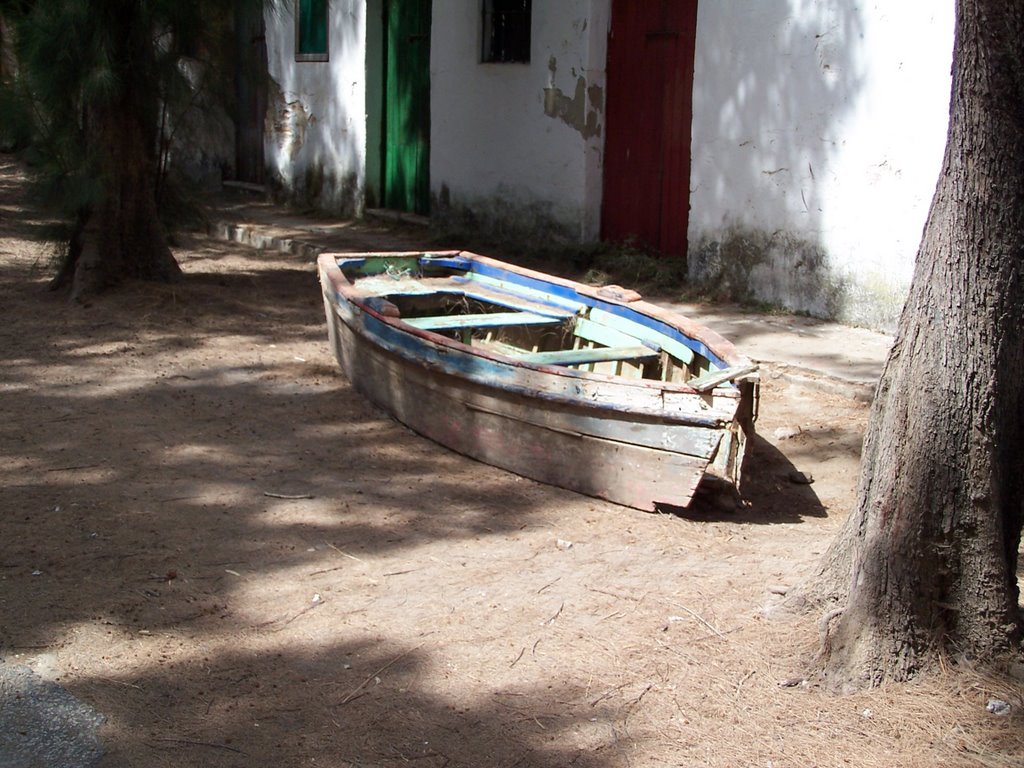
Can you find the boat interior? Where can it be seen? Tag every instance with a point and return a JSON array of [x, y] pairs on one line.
[[522, 318]]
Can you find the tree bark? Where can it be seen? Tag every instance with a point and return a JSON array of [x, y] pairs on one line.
[[122, 237], [927, 562]]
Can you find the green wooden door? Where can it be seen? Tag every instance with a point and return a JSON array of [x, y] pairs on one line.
[[407, 106]]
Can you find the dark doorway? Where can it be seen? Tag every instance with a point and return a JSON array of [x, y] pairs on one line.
[[250, 92]]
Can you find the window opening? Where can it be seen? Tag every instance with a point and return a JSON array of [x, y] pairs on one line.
[[506, 31], [311, 30]]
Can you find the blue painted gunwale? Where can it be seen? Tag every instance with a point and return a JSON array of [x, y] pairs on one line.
[[568, 292], [459, 261], [489, 369]]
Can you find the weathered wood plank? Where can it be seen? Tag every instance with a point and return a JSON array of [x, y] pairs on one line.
[[453, 285], [427, 402], [381, 285], [638, 396], [593, 355], [647, 335], [602, 334], [649, 430], [534, 294], [485, 320], [635, 441], [698, 442], [712, 379]]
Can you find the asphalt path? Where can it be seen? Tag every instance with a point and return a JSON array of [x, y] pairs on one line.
[[42, 725]]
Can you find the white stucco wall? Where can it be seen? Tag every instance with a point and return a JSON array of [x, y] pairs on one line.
[[817, 137], [818, 133], [520, 144], [316, 125]]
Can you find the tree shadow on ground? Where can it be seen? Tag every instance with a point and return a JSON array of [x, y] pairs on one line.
[[192, 490], [164, 447], [359, 703], [772, 491]]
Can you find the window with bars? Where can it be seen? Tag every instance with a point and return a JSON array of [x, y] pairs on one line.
[[506, 31], [311, 30]]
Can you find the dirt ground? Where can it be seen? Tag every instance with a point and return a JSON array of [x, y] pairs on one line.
[[206, 535]]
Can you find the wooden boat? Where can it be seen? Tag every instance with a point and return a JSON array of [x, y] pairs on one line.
[[589, 389]]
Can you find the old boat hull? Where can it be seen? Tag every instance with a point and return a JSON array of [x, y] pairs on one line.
[[644, 444]]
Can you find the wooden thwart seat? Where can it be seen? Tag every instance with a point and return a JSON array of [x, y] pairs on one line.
[[593, 355], [485, 320], [712, 379]]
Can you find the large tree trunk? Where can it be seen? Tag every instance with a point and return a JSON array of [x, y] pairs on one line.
[[122, 236], [927, 562], [8, 62]]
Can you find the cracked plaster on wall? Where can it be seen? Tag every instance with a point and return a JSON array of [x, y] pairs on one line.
[[573, 111], [287, 121]]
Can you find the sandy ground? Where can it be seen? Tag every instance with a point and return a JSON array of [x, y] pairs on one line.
[[208, 537]]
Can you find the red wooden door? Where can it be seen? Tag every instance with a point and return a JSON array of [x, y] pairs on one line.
[[650, 107]]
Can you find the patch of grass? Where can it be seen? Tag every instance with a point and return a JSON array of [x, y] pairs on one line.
[[638, 268], [627, 264], [756, 306]]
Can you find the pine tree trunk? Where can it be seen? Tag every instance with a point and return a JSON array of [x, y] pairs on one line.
[[927, 562], [122, 237]]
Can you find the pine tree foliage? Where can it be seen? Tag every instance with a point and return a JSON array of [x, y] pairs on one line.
[[100, 87]]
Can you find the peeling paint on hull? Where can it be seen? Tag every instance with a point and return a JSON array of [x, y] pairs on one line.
[[641, 442]]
